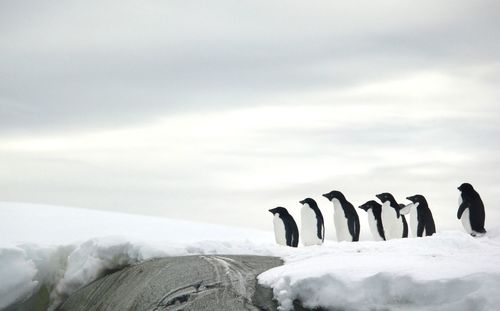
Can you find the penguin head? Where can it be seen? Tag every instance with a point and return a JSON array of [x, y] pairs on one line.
[[417, 198], [368, 205], [466, 187], [279, 210], [334, 195], [386, 196], [309, 202]]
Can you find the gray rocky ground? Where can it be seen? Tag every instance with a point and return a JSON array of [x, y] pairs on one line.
[[211, 282]]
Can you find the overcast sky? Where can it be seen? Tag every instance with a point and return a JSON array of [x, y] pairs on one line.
[[218, 111]]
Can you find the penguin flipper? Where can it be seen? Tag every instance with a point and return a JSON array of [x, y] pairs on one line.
[[295, 241], [477, 222], [320, 223], [358, 228], [353, 226], [420, 229], [430, 228], [289, 237], [292, 232], [405, 227], [380, 229], [461, 209], [323, 238], [295, 234]]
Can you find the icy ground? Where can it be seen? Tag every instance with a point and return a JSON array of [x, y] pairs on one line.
[[448, 271], [64, 248]]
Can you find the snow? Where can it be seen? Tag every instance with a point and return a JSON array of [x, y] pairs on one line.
[[447, 271], [17, 275], [48, 225], [65, 248]]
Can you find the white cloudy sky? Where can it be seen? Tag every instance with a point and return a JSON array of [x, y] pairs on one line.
[[219, 110]]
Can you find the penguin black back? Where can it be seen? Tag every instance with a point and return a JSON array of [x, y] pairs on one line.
[[349, 213], [377, 213], [472, 200], [387, 197], [424, 216], [291, 229]]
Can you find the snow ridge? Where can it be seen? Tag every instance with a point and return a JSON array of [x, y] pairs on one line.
[[447, 271]]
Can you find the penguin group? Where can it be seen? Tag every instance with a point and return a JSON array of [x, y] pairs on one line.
[[386, 220]]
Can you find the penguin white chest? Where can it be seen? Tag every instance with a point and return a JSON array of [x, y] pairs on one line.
[[465, 217], [393, 227], [414, 220], [309, 226], [279, 230], [411, 211], [340, 221], [372, 223]]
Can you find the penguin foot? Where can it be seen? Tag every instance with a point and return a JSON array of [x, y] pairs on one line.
[[478, 234]]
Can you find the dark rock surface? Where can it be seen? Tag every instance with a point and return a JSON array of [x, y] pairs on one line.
[[205, 282]]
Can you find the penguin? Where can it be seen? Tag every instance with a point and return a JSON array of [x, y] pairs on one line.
[[312, 224], [471, 210], [285, 228], [374, 210], [421, 220], [345, 217], [395, 225], [410, 210]]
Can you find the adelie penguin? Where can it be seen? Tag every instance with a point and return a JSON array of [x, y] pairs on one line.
[[374, 210], [344, 216], [285, 229], [395, 225], [312, 224], [421, 220], [471, 210]]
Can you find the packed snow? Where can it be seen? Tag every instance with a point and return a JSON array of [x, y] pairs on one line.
[[447, 271], [64, 248]]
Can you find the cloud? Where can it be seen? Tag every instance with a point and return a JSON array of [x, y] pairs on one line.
[[218, 112], [105, 64]]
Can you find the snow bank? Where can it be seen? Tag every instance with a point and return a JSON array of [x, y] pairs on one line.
[[17, 275], [70, 249], [62, 249], [448, 271], [56, 225]]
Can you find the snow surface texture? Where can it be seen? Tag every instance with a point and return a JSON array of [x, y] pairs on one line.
[[447, 271], [64, 249]]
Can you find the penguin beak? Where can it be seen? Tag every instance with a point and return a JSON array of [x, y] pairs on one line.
[[326, 196], [301, 202], [378, 196]]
